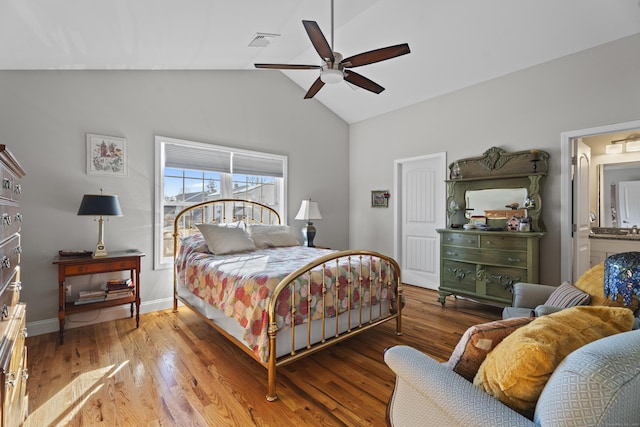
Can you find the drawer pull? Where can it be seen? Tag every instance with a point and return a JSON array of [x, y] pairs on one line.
[[18, 250], [6, 183], [505, 280], [458, 273], [513, 259], [6, 262], [17, 189], [6, 219], [11, 379], [18, 217], [24, 333], [452, 253], [25, 374], [4, 313], [17, 285]]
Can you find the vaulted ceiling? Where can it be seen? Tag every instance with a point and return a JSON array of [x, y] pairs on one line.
[[454, 43]]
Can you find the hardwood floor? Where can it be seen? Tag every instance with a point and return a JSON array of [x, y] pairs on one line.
[[176, 371]]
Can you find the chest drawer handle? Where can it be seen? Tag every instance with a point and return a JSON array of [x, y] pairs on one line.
[[17, 285], [17, 189], [18, 217], [6, 262], [25, 374], [6, 219], [6, 183], [11, 379], [18, 250], [24, 333], [452, 253], [4, 313], [513, 259]]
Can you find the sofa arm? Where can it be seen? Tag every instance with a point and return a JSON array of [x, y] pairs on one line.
[[430, 394], [542, 310], [530, 295]]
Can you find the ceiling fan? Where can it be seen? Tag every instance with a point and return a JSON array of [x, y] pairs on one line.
[[334, 67]]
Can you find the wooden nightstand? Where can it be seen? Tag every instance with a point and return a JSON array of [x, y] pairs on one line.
[[80, 266]]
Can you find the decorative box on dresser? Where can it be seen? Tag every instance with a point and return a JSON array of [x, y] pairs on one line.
[[13, 352], [484, 262]]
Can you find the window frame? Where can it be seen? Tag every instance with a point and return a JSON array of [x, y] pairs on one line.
[[163, 262]]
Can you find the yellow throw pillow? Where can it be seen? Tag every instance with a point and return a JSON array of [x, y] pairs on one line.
[[517, 370], [592, 282]]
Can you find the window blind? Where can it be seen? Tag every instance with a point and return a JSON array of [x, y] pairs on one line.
[[250, 164], [196, 158]]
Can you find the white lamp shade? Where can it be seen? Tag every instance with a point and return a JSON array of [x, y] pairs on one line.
[[308, 210]]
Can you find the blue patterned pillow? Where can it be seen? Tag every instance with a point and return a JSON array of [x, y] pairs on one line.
[[567, 295]]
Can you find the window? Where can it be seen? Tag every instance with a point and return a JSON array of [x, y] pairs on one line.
[[190, 172]]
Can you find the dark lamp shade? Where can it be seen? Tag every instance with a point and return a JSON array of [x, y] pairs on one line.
[[100, 205]]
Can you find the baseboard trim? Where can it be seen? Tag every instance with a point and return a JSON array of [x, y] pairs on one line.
[[47, 326]]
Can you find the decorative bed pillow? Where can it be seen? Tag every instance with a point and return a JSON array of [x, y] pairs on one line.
[[567, 295], [517, 370], [592, 282], [271, 236], [478, 341], [226, 240]]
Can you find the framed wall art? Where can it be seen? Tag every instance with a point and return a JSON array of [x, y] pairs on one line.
[[379, 199], [106, 155]]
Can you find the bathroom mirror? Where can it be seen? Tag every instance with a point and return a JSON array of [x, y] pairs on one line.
[[619, 194]]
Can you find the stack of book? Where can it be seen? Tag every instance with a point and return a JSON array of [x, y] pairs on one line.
[[86, 297], [119, 288]]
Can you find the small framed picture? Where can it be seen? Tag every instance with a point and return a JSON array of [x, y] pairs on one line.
[[379, 199], [106, 155]]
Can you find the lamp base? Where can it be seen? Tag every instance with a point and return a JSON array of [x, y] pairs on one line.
[[309, 233], [100, 251]]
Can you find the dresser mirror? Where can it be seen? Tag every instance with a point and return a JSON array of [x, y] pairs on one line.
[[492, 184], [484, 202]]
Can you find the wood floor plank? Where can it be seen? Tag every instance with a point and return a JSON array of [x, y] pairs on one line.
[[174, 370]]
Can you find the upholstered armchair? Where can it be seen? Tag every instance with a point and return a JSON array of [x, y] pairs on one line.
[[530, 299], [596, 385]]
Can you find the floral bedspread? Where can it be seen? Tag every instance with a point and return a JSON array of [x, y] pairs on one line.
[[241, 285]]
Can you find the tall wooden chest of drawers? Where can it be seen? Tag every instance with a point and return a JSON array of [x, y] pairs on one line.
[[483, 265], [13, 353]]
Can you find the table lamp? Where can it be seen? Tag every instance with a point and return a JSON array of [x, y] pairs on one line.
[[100, 205], [622, 276], [308, 211]]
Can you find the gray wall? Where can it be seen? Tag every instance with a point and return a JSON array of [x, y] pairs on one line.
[[44, 116], [524, 110]]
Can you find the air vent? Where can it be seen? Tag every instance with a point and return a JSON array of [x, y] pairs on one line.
[[262, 39]]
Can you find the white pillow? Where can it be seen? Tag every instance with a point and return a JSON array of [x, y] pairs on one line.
[[225, 240], [271, 236]]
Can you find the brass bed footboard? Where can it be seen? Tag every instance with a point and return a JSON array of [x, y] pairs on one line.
[[370, 295]]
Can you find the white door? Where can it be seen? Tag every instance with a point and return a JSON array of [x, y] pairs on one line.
[[629, 203], [421, 211], [581, 217]]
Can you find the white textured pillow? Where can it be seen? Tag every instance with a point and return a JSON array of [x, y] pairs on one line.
[[225, 240], [271, 236]]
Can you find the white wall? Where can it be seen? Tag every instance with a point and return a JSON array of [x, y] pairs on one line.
[[524, 110], [44, 116]]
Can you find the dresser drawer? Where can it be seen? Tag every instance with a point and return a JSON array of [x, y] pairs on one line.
[[10, 221], [499, 281], [460, 239], [10, 290], [492, 241], [9, 258], [506, 258], [458, 276]]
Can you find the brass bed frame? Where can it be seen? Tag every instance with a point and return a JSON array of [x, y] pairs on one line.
[[232, 210]]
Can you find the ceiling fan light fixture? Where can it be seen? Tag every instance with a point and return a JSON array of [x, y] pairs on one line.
[[331, 76]]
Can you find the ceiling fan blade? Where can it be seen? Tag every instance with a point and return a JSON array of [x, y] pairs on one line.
[[315, 87], [361, 81], [318, 40], [288, 66], [376, 55]]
